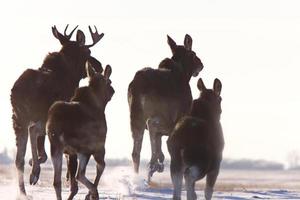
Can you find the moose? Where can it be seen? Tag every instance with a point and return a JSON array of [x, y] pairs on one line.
[[157, 98], [197, 142], [35, 91], [78, 128]]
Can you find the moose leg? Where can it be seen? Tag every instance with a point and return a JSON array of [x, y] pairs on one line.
[[157, 159], [176, 176], [137, 126], [21, 142], [137, 135], [42, 156], [210, 183], [56, 156], [68, 170], [72, 168], [83, 160], [191, 175], [153, 165], [99, 158], [41, 148], [161, 156], [34, 131]]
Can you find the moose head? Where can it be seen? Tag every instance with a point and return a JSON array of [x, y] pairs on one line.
[[77, 52], [209, 100], [184, 55], [100, 84]]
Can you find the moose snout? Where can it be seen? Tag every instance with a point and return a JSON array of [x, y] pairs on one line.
[[198, 68], [197, 71], [111, 92]]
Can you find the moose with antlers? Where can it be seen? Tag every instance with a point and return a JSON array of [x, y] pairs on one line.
[[159, 97], [35, 91], [197, 143]]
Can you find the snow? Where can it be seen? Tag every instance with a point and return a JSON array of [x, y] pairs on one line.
[[122, 183]]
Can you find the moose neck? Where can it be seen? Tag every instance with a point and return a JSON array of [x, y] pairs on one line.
[[184, 68], [64, 70], [75, 69], [87, 97], [201, 110]]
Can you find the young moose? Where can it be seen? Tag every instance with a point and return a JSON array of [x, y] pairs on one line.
[[35, 91], [78, 128], [159, 97], [197, 143]]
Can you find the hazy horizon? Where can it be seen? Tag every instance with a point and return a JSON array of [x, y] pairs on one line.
[[251, 46]]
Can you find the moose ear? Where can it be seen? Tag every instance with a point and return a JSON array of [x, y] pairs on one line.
[[90, 71], [217, 86], [201, 85], [63, 40], [107, 72], [96, 64], [172, 44], [80, 38], [188, 41]]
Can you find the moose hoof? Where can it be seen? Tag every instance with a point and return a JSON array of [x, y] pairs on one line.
[[33, 179], [91, 196], [151, 172], [34, 176], [74, 191], [156, 167], [160, 167]]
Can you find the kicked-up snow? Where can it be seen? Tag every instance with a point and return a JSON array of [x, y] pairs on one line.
[[122, 183]]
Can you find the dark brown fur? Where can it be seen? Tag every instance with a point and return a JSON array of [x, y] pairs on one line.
[[35, 91], [159, 97], [197, 142], [78, 128]]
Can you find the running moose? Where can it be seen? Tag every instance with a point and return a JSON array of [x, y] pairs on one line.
[[197, 142], [78, 128], [35, 91], [159, 97]]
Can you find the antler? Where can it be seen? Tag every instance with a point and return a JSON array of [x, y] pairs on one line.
[[95, 36], [62, 38], [70, 35]]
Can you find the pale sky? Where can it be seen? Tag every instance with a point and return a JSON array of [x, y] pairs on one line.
[[253, 47]]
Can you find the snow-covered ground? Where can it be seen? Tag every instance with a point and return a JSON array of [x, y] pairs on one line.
[[121, 183]]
